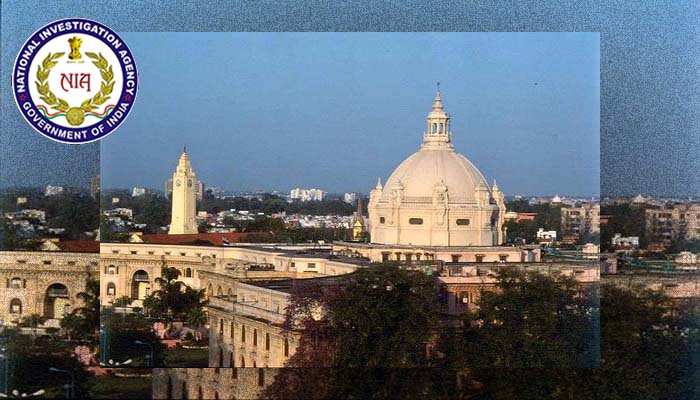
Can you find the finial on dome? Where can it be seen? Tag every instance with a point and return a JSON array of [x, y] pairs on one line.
[[184, 149], [495, 186], [379, 184], [437, 103]]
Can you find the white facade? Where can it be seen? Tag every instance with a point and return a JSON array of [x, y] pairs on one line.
[[437, 197], [625, 242], [307, 194], [350, 197], [53, 190], [546, 236]]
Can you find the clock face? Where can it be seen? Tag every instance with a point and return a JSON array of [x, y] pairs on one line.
[[178, 183], [189, 182]]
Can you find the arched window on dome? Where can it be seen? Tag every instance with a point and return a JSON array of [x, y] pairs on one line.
[[434, 127], [442, 125]]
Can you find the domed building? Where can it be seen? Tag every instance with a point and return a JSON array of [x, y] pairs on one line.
[[437, 205], [437, 197]]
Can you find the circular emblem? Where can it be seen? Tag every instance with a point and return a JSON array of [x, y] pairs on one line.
[[75, 80]]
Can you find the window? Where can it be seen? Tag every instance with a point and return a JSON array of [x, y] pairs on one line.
[[183, 254], [255, 337], [311, 265], [231, 333], [111, 270], [242, 362], [463, 221], [150, 253], [133, 251], [221, 327], [261, 377], [455, 257], [21, 261], [167, 253], [242, 333], [267, 341], [234, 371], [415, 221], [15, 283], [184, 390], [382, 220], [479, 258], [15, 306], [115, 251], [503, 257], [188, 272], [111, 289], [385, 257], [47, 262], [286, 347]]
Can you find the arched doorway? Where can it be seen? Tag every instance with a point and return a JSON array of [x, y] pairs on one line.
[[57, 301], [140, 285]]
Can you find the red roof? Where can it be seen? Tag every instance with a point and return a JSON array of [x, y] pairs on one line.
[[207, 239], [79, 246]]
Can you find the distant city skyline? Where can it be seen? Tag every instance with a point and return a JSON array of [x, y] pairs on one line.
[[338, 111]]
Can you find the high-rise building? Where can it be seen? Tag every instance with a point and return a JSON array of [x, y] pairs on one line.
[[95, 186], [581, 220], [307, 194], [184, 198], [350, 197], [677, 222], [53, 190]]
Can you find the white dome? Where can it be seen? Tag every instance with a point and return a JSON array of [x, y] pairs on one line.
[[429, 167]]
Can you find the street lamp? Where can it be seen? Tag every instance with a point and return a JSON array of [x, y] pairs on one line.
[[69, 388], [111, 363], [150, 357], [17, 395]]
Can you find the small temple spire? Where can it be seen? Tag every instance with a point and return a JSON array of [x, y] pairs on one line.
[[495, 186], [379, 184]]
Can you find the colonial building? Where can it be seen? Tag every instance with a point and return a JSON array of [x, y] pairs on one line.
[[436, 197], [436, 214], [44, 282], [184, 198]]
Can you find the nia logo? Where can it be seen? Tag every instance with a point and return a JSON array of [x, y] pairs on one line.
[[75, 81]]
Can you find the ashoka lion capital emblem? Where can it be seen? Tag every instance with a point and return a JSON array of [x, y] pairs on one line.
[[75, 80], [75, 43]]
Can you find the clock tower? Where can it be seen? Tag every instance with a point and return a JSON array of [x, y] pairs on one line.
[[184, 198]]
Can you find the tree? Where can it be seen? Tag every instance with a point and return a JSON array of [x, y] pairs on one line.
[[174, 298], [367, 327], [32, 321], [529, 326], [197, 318], [84, 321]]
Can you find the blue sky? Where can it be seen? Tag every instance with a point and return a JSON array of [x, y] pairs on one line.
[[335, 110]]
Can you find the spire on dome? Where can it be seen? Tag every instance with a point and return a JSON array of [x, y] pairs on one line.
[[495, 186], [438, 132], [379, 184], [184, 149]]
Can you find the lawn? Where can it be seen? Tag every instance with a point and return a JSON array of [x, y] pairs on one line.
[[114, 387], [177, 357]]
